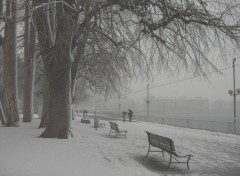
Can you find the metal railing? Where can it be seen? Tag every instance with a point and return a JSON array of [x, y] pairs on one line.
[[216, 126]]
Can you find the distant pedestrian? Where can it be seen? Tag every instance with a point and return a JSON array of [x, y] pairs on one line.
[[85, 112], [130, 114], [124, 113]]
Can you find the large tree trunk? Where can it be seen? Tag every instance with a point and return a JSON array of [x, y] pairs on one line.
[[46, 93], [79, 54], [29, 56], [10, 66], [60, 101], [1, 13], [2, 117], [74, 70], [46, 35], [60, 80]]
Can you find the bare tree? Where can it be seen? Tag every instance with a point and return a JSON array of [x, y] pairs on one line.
[[2, 116], [29, 60], [103, 68], [45, 22], [10, 65], [180, 33], [60, 74], [1, 18], [45, 103]]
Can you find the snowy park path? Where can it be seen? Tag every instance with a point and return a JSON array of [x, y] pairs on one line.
[[94, 152]]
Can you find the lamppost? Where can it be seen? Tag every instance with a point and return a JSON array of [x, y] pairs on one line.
[[148, 101], [119, 103], [233, 93], [105, 100]]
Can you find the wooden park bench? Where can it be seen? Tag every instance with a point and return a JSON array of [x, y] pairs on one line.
[[114, 129], [166, 145]]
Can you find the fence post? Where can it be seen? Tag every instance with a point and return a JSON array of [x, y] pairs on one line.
[[188, 123]]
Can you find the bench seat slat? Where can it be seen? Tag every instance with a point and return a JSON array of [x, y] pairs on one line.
[[161, 145]]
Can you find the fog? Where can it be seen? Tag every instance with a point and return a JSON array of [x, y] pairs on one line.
[[179, 96], [214, 87]]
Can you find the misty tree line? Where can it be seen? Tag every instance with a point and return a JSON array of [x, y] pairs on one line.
[[105, 43]]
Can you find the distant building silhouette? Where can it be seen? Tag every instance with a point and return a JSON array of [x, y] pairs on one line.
[[178, 105], [225, 106]]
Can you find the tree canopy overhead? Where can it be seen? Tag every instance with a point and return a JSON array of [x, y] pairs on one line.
[[179, 33], [130, 35], [182, 30]]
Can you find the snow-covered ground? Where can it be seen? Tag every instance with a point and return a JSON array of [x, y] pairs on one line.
[[94, 153]]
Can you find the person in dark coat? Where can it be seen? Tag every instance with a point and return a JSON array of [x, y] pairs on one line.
[[130, 114], [124, 113], [85, 112]]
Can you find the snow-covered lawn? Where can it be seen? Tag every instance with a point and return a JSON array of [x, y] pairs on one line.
[[94, 153]]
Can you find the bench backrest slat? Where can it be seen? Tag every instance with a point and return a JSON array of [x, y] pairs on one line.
[[164, 143], [114, 126]]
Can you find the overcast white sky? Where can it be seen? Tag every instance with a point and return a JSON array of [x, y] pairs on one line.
[[215, 88]]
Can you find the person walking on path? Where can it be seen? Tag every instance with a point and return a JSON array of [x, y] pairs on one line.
[[124, 113], [130, 114], [85, 112]]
